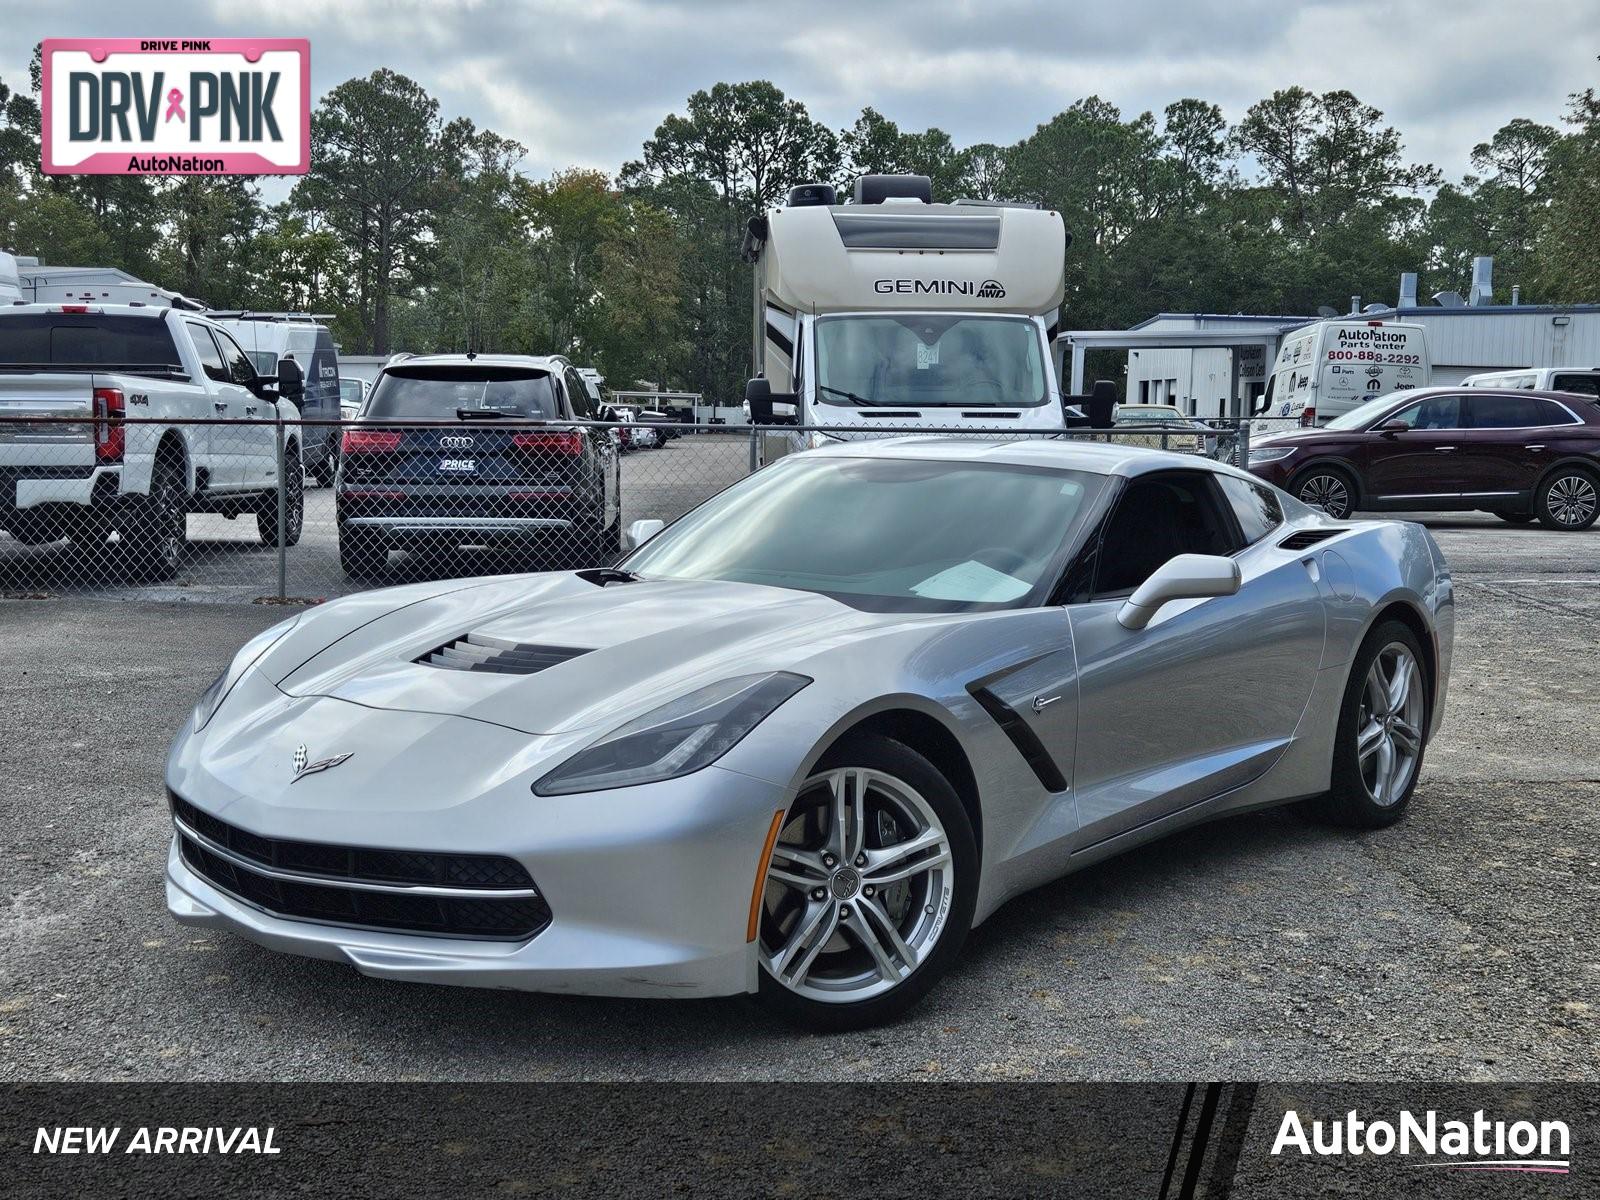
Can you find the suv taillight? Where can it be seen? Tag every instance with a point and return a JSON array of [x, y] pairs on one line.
[[370, 441], [1308, 418], [109, 438], [557, 443]]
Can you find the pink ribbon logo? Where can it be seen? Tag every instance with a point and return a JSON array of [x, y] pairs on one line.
[[175, 105]]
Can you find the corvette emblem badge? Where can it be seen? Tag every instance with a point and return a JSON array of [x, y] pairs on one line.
[[303, 765]]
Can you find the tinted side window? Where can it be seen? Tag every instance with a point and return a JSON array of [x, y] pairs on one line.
[[579, 395], [1584, 385], [210, 357], [1159, 517], [1504, 412], [239, 364], [1547, 412], [1256, 507], [1436, 412]]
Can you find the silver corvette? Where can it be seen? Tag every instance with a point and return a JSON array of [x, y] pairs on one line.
[[799, 742]]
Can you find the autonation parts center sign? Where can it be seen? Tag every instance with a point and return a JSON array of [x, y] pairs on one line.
[[143, 106]]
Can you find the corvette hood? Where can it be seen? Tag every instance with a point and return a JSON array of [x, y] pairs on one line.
[[612, 652]]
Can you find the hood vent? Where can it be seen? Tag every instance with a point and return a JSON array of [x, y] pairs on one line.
[[1305, 539], [475, 652]]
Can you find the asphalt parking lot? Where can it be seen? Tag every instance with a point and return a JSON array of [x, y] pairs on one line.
[[1458, 944]]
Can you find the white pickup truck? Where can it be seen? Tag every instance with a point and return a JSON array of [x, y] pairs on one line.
[[125, 389]]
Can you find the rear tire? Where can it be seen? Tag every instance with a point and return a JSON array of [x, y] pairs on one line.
[[845, 942], [155, 528], [1382, 732], [1568, 499], [361, 554]]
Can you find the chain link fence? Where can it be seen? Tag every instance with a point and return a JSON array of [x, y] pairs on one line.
[[242, 511]]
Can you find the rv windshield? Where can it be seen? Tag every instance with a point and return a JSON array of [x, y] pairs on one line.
[[930, 360]]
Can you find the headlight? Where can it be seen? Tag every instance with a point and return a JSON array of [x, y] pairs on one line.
[[676, 739], [1266, 454], [211, 699]]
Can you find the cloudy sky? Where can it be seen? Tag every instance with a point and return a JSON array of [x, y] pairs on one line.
[[584, 82]]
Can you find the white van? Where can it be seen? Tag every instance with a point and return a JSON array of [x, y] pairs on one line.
[[1583, 381], [894, 313], [267, 337], [1325, 369]]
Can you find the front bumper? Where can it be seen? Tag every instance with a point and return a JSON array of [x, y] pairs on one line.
[[649, 888]]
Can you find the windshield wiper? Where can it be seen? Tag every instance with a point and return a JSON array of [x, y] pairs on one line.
[[486, 414], [860, 401]]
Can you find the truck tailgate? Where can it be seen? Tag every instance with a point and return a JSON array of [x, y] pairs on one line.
[[62, 443]]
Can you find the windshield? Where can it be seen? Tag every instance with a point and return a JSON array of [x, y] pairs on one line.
[[1359, 416], [436, 393], [885, 534], [929, 359]]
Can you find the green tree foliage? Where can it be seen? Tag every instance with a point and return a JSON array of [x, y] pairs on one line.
[[421, 233]]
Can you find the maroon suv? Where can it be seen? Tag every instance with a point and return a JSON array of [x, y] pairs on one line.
[[1518, 454]]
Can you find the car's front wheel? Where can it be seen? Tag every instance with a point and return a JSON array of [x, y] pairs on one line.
[[1569, 499], [871, 888], [1327, 489]]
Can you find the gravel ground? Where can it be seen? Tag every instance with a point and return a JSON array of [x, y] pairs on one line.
[[1456, 945]]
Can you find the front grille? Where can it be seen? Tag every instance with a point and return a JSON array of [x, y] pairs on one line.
[[475, 652], [324, 899]]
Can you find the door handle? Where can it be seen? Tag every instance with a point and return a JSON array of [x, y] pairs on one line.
[[1443, 449], [220, 405], [250, 410], [1540, 446]]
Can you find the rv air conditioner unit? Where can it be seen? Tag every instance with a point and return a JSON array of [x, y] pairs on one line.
[[875, 189]]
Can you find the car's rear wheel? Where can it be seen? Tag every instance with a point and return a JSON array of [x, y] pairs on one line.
[[871, 888], [361, 553], [1382, 731], [1326, 488], [1569, 499], [154, 530]]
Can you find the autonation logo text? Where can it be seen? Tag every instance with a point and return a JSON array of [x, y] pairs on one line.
[[1476, 1145]]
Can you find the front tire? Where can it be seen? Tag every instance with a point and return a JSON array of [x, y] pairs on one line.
[[871, 888], [1327, 488], [294, 508], [1568, 500], [1382, 733]]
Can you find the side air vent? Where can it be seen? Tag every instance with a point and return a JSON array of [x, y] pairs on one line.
[[1305, 539], [475, 652], [1022, 737]]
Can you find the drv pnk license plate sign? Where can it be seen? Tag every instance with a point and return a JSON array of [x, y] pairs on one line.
[[170, 106]]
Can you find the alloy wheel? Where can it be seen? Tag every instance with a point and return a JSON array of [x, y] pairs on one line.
[[1327, 492], [1389, 725], [859, 888], [1572, 500]]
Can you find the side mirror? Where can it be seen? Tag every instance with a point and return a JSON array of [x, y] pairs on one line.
[[641, 531], [1391, 427], [1185, 577], [291, 380], [760, 399]]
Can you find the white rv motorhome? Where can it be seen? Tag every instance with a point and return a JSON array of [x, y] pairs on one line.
[[1329, 367], [893, 312], [41, 284]]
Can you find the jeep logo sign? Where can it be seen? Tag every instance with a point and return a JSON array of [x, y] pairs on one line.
[[165, 106], [989, 289]]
